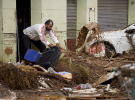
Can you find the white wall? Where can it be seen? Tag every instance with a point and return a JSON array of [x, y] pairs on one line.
[[56, 10], [8, 40], [51, 9]]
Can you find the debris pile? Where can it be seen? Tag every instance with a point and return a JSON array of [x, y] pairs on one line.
[[79, 73], [23, 77], [15, 78], [5, 92], [27, 68], [98, 73], [57, 82]]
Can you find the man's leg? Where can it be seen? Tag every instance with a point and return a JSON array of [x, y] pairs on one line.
[[39, 45], [26, 44]]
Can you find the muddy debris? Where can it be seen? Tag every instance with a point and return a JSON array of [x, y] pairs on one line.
[[5, 92], [79, 73], [57, 82], [27, 68], [85, 30], [26, 77], [15, 78], [84, 68], [94, 32]]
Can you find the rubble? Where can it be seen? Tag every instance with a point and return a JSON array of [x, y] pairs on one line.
[[5, 93], [79, 73], [15, 78], [105, 77]]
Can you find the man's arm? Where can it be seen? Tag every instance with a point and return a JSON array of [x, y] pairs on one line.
[[59, 45], [50, 45], [61, 48], [55, 39]]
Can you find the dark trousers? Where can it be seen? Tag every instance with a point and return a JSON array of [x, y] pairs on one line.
[[27, 43]]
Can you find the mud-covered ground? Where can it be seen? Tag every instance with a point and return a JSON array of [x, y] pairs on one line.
[[84, 69], [90, 69]]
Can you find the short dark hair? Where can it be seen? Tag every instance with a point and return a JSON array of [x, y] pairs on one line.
[[48, 22]]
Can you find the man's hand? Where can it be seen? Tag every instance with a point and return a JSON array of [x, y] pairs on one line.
[[58, 44], [61, 48], [50, 45]]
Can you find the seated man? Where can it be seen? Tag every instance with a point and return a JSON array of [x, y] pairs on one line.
[[36, 34]]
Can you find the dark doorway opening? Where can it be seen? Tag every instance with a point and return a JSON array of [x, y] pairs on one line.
[[23, 8]]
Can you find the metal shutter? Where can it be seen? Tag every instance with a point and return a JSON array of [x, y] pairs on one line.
[[112, 14], [71, 19]]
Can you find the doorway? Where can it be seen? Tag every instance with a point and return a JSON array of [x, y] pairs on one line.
[[23, 8]]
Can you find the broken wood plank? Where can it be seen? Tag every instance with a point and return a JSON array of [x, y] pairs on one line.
[[108, 64], [126, 61], [41, 73], [129, 58], [39, 68], [97, 98], [82, 60], [109, 69], [105, 77], [83, 95], [49, 84], [79, 60]]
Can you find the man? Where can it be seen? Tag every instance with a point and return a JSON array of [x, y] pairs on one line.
[[36, 34]]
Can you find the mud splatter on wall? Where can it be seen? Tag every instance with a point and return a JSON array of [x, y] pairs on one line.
[[8, 50]]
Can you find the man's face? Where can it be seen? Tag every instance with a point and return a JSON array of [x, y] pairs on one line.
[[49, 27]]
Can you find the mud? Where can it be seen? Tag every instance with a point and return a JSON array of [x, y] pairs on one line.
[[84, 69], [4, 91], [15, 78], [93, 67], [27, 68], [56, 81], [130, 53], [94, 33], [8, 50], [79, 73]]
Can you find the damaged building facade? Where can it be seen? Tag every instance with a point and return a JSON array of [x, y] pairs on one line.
[[68, 15]]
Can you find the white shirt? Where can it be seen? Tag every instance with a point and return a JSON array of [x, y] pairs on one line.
[[38, 32]]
